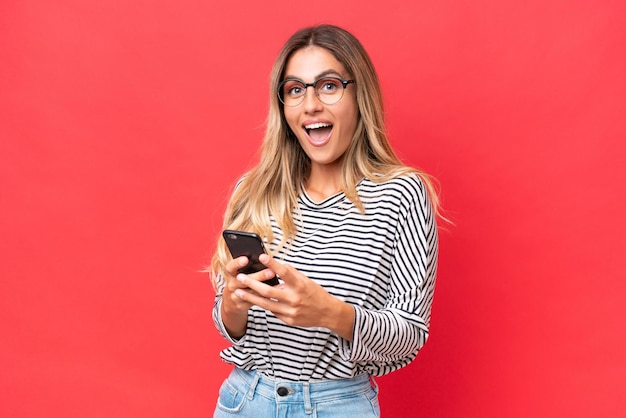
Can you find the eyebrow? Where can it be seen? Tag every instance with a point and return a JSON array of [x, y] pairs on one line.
[[317, 77]]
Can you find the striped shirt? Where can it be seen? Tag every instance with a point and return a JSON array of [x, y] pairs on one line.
[[382, 262]]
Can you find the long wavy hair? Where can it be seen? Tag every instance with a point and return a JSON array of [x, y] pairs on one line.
[[272, 187]]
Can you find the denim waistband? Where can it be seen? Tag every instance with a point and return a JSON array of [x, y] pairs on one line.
[[284, 391]]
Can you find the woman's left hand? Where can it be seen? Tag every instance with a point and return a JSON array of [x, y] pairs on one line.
[[298, 301]]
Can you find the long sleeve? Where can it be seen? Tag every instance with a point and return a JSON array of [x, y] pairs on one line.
[[389, 338]]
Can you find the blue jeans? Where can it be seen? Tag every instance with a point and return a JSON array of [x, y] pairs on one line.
[[250, 394]]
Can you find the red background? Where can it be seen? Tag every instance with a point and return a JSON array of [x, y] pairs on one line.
[[123, 125]]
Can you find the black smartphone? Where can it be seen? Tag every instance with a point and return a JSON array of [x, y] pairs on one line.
[[250, 245]]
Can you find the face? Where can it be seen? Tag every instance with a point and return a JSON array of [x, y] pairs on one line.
[[323, 131]]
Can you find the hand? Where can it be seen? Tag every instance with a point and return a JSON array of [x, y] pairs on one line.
[[234, 309], [299, 301]]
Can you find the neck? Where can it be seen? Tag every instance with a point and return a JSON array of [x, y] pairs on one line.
[[323, 182]]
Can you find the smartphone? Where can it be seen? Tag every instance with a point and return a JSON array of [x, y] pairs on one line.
[[250, 245]]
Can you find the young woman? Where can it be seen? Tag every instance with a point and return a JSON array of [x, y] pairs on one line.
[[352, 236]]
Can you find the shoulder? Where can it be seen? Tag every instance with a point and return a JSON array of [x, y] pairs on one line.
[[405, 188]]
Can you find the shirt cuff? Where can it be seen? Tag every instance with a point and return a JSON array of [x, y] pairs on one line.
[[348, 350], [219, 324]]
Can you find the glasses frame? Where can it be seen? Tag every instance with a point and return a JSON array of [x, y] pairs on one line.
[[343, 82]]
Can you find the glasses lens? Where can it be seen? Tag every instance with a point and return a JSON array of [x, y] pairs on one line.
[[291, 92], [329, 90]]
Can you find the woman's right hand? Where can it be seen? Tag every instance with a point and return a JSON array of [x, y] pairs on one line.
[[234, 309]]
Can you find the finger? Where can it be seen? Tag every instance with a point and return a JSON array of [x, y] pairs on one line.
[[253, 298], [256, 285], [235, 264], [261, 275], [284, 271]]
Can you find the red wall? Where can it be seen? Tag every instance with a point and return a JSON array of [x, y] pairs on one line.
[[123, 124]]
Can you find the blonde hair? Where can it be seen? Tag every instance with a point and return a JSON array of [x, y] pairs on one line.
[[272, 187]]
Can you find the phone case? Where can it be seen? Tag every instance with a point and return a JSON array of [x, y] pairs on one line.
[[247, 244]]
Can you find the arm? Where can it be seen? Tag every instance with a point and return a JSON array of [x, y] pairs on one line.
[[394, 334]]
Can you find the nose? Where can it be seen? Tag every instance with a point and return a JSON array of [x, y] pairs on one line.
[[311, 102]]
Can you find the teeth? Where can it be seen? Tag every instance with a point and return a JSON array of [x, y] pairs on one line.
[[317, 125]]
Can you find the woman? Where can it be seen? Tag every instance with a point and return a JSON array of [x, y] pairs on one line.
[[352, 236]]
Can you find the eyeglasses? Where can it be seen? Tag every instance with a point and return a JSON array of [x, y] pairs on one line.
[[329, 90]]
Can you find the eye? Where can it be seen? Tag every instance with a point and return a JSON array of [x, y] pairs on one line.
[[329, 85], [293, 89]]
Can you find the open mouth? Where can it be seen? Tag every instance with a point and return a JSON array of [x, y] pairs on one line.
[[319, 132]]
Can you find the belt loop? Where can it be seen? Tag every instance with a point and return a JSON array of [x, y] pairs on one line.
[[255, 381], [306, 394]]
